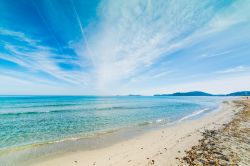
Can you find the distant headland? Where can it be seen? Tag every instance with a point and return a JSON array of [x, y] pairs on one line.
[[200, 93]]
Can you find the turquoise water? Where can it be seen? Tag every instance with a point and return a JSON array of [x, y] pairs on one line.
[[29, 120]]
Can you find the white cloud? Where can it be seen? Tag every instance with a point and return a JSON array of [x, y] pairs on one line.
[[237, 13], [234, 70], [161, 74], [216, 85], [129, 40], [10, 85], [217, 54], [132, 36], [39, 58], [18, 35]]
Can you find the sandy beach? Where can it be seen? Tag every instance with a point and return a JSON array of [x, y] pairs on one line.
[[228, 145], [166, 146]]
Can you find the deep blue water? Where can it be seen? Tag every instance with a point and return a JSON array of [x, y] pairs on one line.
[[26, 120]]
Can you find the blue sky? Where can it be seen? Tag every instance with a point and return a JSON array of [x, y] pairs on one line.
[[109, 47]]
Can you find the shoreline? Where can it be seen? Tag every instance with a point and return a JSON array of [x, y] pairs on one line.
[[228, 145], [160, 146]]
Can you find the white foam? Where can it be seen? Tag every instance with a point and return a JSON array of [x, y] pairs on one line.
[[159, 120], [193, 114]]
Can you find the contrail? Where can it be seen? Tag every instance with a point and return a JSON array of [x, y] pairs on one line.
[[50, 30], [59, 76], [82, 31]]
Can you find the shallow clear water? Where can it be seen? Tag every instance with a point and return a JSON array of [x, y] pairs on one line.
[[26, 120]]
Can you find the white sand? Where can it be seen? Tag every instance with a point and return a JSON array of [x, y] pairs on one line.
[[161, 146]]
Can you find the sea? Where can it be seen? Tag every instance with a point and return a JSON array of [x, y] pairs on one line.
[[33, 121]]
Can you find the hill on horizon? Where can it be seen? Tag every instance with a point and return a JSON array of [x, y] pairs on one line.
[[200, 93]]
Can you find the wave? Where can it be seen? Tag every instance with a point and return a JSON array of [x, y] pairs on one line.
[[74, 110], [34, 112], [157, 121], [43, 106], [194, 114]]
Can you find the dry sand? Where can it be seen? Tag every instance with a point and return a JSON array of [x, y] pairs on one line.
[[228, 145], [158, 147]]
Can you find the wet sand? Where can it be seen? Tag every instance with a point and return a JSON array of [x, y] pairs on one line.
[[159, 147]]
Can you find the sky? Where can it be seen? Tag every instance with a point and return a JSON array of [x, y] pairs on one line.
[[119, 47]]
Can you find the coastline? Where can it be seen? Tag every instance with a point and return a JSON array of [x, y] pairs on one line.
[[159, 147], [228, 145]]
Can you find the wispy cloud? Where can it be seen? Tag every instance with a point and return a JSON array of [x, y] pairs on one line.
[[217, 85], [234, 70], [132, 36], [218, 54], [232, 15], [36, 57], [158, 75], [126, 45], [17, 35]]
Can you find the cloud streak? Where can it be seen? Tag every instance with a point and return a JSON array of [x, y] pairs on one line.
[[131, 37], [235, 70], [37, 58]]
